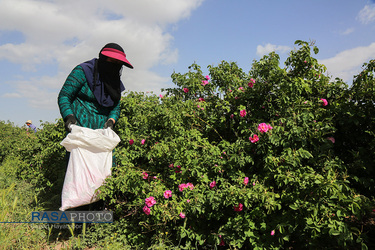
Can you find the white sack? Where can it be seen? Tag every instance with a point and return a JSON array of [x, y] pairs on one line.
[[89, 164]]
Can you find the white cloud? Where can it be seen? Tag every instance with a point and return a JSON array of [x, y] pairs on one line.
[[347, 31], [268, 48], [367, 14], [66, 33], [38, 97], [154, 11], [11, 95], [348, 63]]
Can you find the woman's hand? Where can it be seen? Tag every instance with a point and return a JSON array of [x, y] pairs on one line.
[[110, 123], [69, 120]]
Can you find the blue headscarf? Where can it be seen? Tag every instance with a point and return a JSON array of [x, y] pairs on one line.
[[106, 88]]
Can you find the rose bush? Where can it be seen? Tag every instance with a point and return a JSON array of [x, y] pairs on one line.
[[211, 135]]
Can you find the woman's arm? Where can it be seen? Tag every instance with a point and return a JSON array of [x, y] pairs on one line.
[[69, 91]]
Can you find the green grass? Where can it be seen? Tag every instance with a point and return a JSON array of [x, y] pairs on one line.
[[16, 203], [17, 200]]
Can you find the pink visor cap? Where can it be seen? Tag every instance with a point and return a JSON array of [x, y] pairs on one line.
[[116, 54]]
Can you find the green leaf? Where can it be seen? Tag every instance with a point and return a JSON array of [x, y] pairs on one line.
[[334, 232]]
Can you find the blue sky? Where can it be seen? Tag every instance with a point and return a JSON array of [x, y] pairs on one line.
[[41, 41]]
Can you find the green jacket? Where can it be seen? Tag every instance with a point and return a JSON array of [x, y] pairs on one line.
[[76, 98]]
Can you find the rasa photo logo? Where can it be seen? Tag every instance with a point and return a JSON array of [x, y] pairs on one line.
[[72, 217]]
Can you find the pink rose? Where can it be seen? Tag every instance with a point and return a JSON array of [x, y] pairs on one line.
[[207, 77], [186, 90], [212, 184], [331, 139], [240, 89], [182, 215], [146, 210], [325, 102], [145, 175], [204, 82], [251, 83], [161, 96], [222, 243], [167, 194], [178, 169], [238, 208], [143, 141], [273, 232], [254, 139], [200, 99], [181, 187], [243, 113], [232, 116], [246, 180], [131, 141], [262, 127], [150, 201], [190, 185]]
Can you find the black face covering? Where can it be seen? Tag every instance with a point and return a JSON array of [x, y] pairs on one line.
[[109, 74], [103, 77]]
